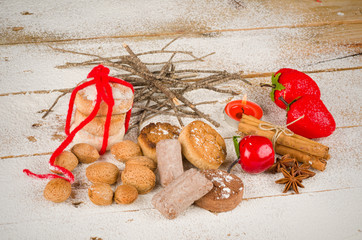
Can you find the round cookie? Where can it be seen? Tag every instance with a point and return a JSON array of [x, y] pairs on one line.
[[83, 136], [125, 194], [122, 95], [140, 177], [202, 145], [152, 134], [226, 194], [96, 126], [124, 150]]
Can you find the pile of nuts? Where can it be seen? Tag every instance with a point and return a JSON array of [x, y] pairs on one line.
[[138, 177]]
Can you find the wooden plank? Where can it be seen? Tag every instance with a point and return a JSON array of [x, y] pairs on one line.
[[37, 135], [260, 186], [348, 35], [255, 53], [319, 211], [257, 37], [319, 207], [55, 21], [319, 11]]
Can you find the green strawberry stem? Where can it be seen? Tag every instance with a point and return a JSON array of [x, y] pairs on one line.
[[294, 101], [237, 151], [276, 86]]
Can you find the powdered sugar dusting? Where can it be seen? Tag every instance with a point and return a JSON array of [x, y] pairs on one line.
[[160, 130], [225, 184], [228, 178], [205, 139], [90, 93]]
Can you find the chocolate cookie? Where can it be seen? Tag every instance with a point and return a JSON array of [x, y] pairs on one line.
[[226, 194]]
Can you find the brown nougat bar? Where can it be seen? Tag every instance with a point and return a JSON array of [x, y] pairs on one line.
[[169, 160], [181, 193]]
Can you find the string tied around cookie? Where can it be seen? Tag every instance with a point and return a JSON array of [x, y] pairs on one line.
[[99, 77], [279, 130]]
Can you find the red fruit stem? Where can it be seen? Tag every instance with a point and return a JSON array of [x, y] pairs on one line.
[[267, 85], [284, 101], [232, 165], [237, 151]]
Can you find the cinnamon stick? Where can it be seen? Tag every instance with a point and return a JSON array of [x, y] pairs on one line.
[[250, 125], [315, 162], [257, 121]]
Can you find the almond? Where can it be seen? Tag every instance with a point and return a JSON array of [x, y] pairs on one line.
[[57, 190], [140, 177], [85, 153], [102, 172], [66, 160], [143, 161], [125, 194], [100, 194], [124, 150]]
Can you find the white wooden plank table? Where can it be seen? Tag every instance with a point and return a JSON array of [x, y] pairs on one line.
[[256, 37]]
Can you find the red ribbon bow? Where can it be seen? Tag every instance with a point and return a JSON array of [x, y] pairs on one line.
[[104, 92]]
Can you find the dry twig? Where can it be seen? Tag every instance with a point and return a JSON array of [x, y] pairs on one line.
[[164, 88]]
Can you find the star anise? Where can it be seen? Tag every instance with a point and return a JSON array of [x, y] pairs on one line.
[[303, 170], [291, 180], [285, 162]]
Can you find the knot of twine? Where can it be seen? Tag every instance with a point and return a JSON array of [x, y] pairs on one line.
[[98, 77], [279, 130]]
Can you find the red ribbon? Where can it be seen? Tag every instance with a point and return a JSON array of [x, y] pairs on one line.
[[104, 92]]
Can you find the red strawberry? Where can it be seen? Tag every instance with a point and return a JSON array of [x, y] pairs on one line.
[[317, 121], [291, 84]]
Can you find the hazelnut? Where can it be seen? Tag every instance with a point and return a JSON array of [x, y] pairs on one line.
[[140, 177], [57, 190], [124, 150], [102, 172], [66, 160], [125, 194], [85, 153], [143, 161], [100, 194]]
